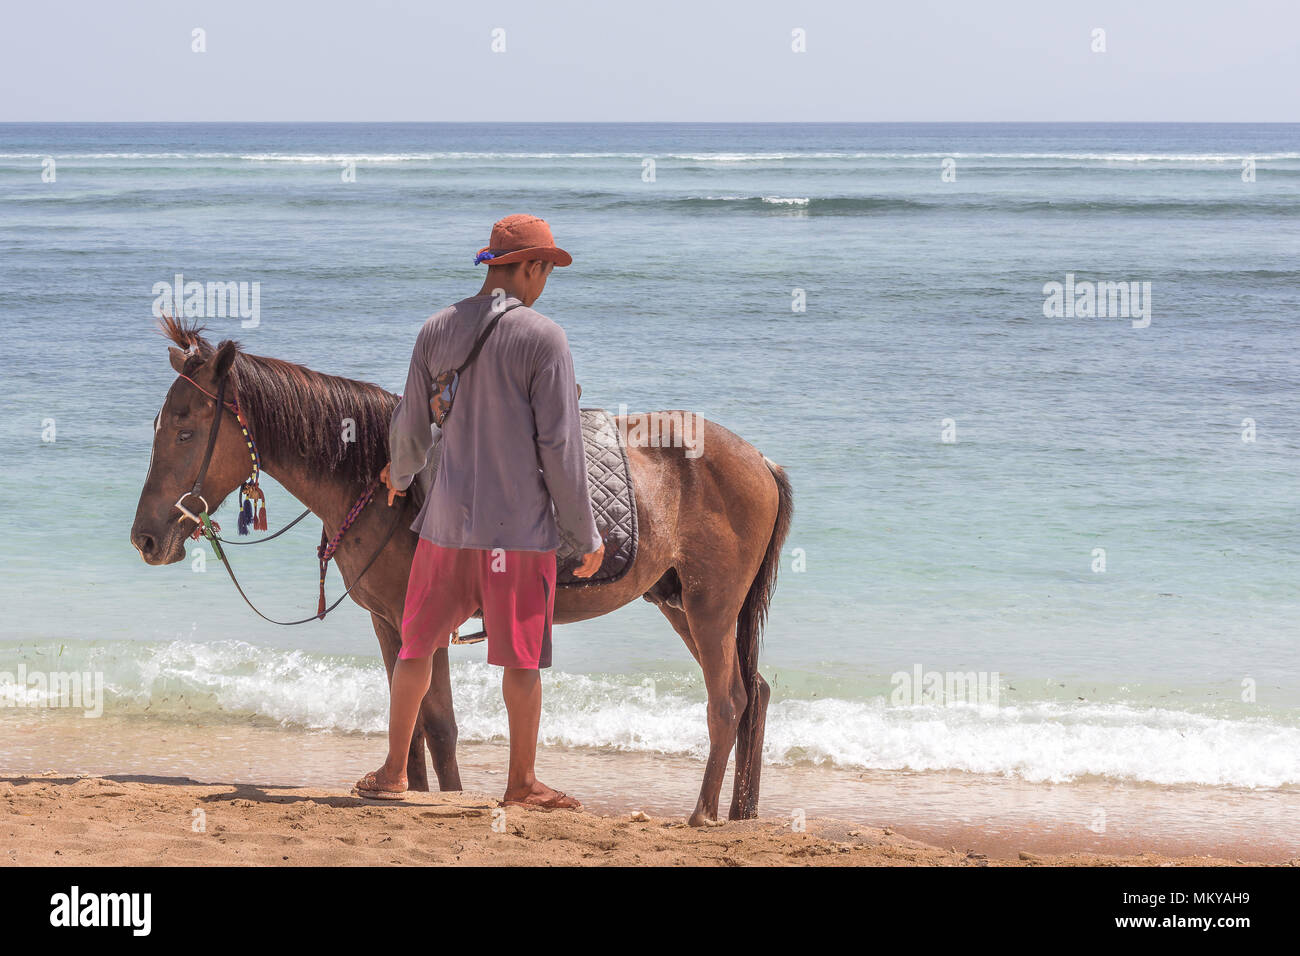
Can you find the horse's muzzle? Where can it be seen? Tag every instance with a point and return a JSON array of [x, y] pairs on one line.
[[165, 548]]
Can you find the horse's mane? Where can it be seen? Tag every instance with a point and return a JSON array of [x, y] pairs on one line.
[[289, 406]]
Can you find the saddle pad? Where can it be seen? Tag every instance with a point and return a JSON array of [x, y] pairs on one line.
[[613, 504]]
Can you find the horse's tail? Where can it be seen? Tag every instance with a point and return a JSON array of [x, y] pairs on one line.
[[753, 613]]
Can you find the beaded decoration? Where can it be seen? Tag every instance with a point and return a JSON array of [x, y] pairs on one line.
[[252, 500]]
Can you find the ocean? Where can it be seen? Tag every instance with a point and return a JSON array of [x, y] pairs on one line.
[[1093, 514]]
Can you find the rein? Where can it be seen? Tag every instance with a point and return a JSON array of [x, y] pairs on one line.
[[209, 532], [252, 512]]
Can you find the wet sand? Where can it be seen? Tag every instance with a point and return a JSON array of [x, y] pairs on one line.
[[998, 818]]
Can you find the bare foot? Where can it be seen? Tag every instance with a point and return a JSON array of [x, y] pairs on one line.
[[540, 797], [380, 785]]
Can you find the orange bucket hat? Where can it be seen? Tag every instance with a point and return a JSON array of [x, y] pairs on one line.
[[520, 238]]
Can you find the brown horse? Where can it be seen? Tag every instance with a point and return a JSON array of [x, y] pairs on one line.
[[711, 529]]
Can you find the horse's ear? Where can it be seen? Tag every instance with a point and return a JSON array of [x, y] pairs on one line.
[[178, 357], [220, 364]]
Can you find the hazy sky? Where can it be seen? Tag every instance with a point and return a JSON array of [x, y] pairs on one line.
[[1211, 60]]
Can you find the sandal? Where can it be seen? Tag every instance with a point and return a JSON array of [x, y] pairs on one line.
[[561, 801], [368, 786]]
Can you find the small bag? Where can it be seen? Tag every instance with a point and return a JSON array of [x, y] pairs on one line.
[[445, 385]]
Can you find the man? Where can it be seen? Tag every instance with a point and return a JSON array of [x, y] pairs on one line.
[[511, 446]]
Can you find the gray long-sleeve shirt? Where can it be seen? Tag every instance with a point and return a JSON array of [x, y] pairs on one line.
[[512, 444]]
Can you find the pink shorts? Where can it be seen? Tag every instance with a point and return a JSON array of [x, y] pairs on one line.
[[515, 589]]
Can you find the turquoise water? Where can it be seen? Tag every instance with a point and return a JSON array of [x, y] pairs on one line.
[[924, 303]]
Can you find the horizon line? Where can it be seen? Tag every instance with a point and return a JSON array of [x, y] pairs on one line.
[[1084, 122]]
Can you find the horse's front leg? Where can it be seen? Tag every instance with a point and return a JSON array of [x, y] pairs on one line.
[[438, 721]]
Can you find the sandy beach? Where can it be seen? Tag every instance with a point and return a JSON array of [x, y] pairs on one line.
[[54, 819], [123, 791]]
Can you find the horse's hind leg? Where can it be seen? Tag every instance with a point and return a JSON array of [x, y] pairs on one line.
[[677, 618], [749, 754], [714, 633], [749, 730], [710, 635]]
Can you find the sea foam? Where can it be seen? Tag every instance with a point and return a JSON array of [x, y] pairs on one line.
[[1040, 741]]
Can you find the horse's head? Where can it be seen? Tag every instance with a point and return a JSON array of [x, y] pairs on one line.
[[180, 440]]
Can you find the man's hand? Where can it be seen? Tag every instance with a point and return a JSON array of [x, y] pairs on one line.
[[388, 481], [590, 563]]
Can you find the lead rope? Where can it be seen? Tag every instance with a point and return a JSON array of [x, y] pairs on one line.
[[209, 531], [329, 545]]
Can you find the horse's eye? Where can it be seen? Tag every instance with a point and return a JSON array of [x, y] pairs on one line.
[[185, 435]]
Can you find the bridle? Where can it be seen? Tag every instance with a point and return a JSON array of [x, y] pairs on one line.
[[253, 511], [196, 490], [252, 502]]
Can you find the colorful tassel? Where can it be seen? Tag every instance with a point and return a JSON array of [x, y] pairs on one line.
[[252, 497], [252, 506]]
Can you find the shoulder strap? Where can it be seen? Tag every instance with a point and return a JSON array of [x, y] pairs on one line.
[[483, 337]]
